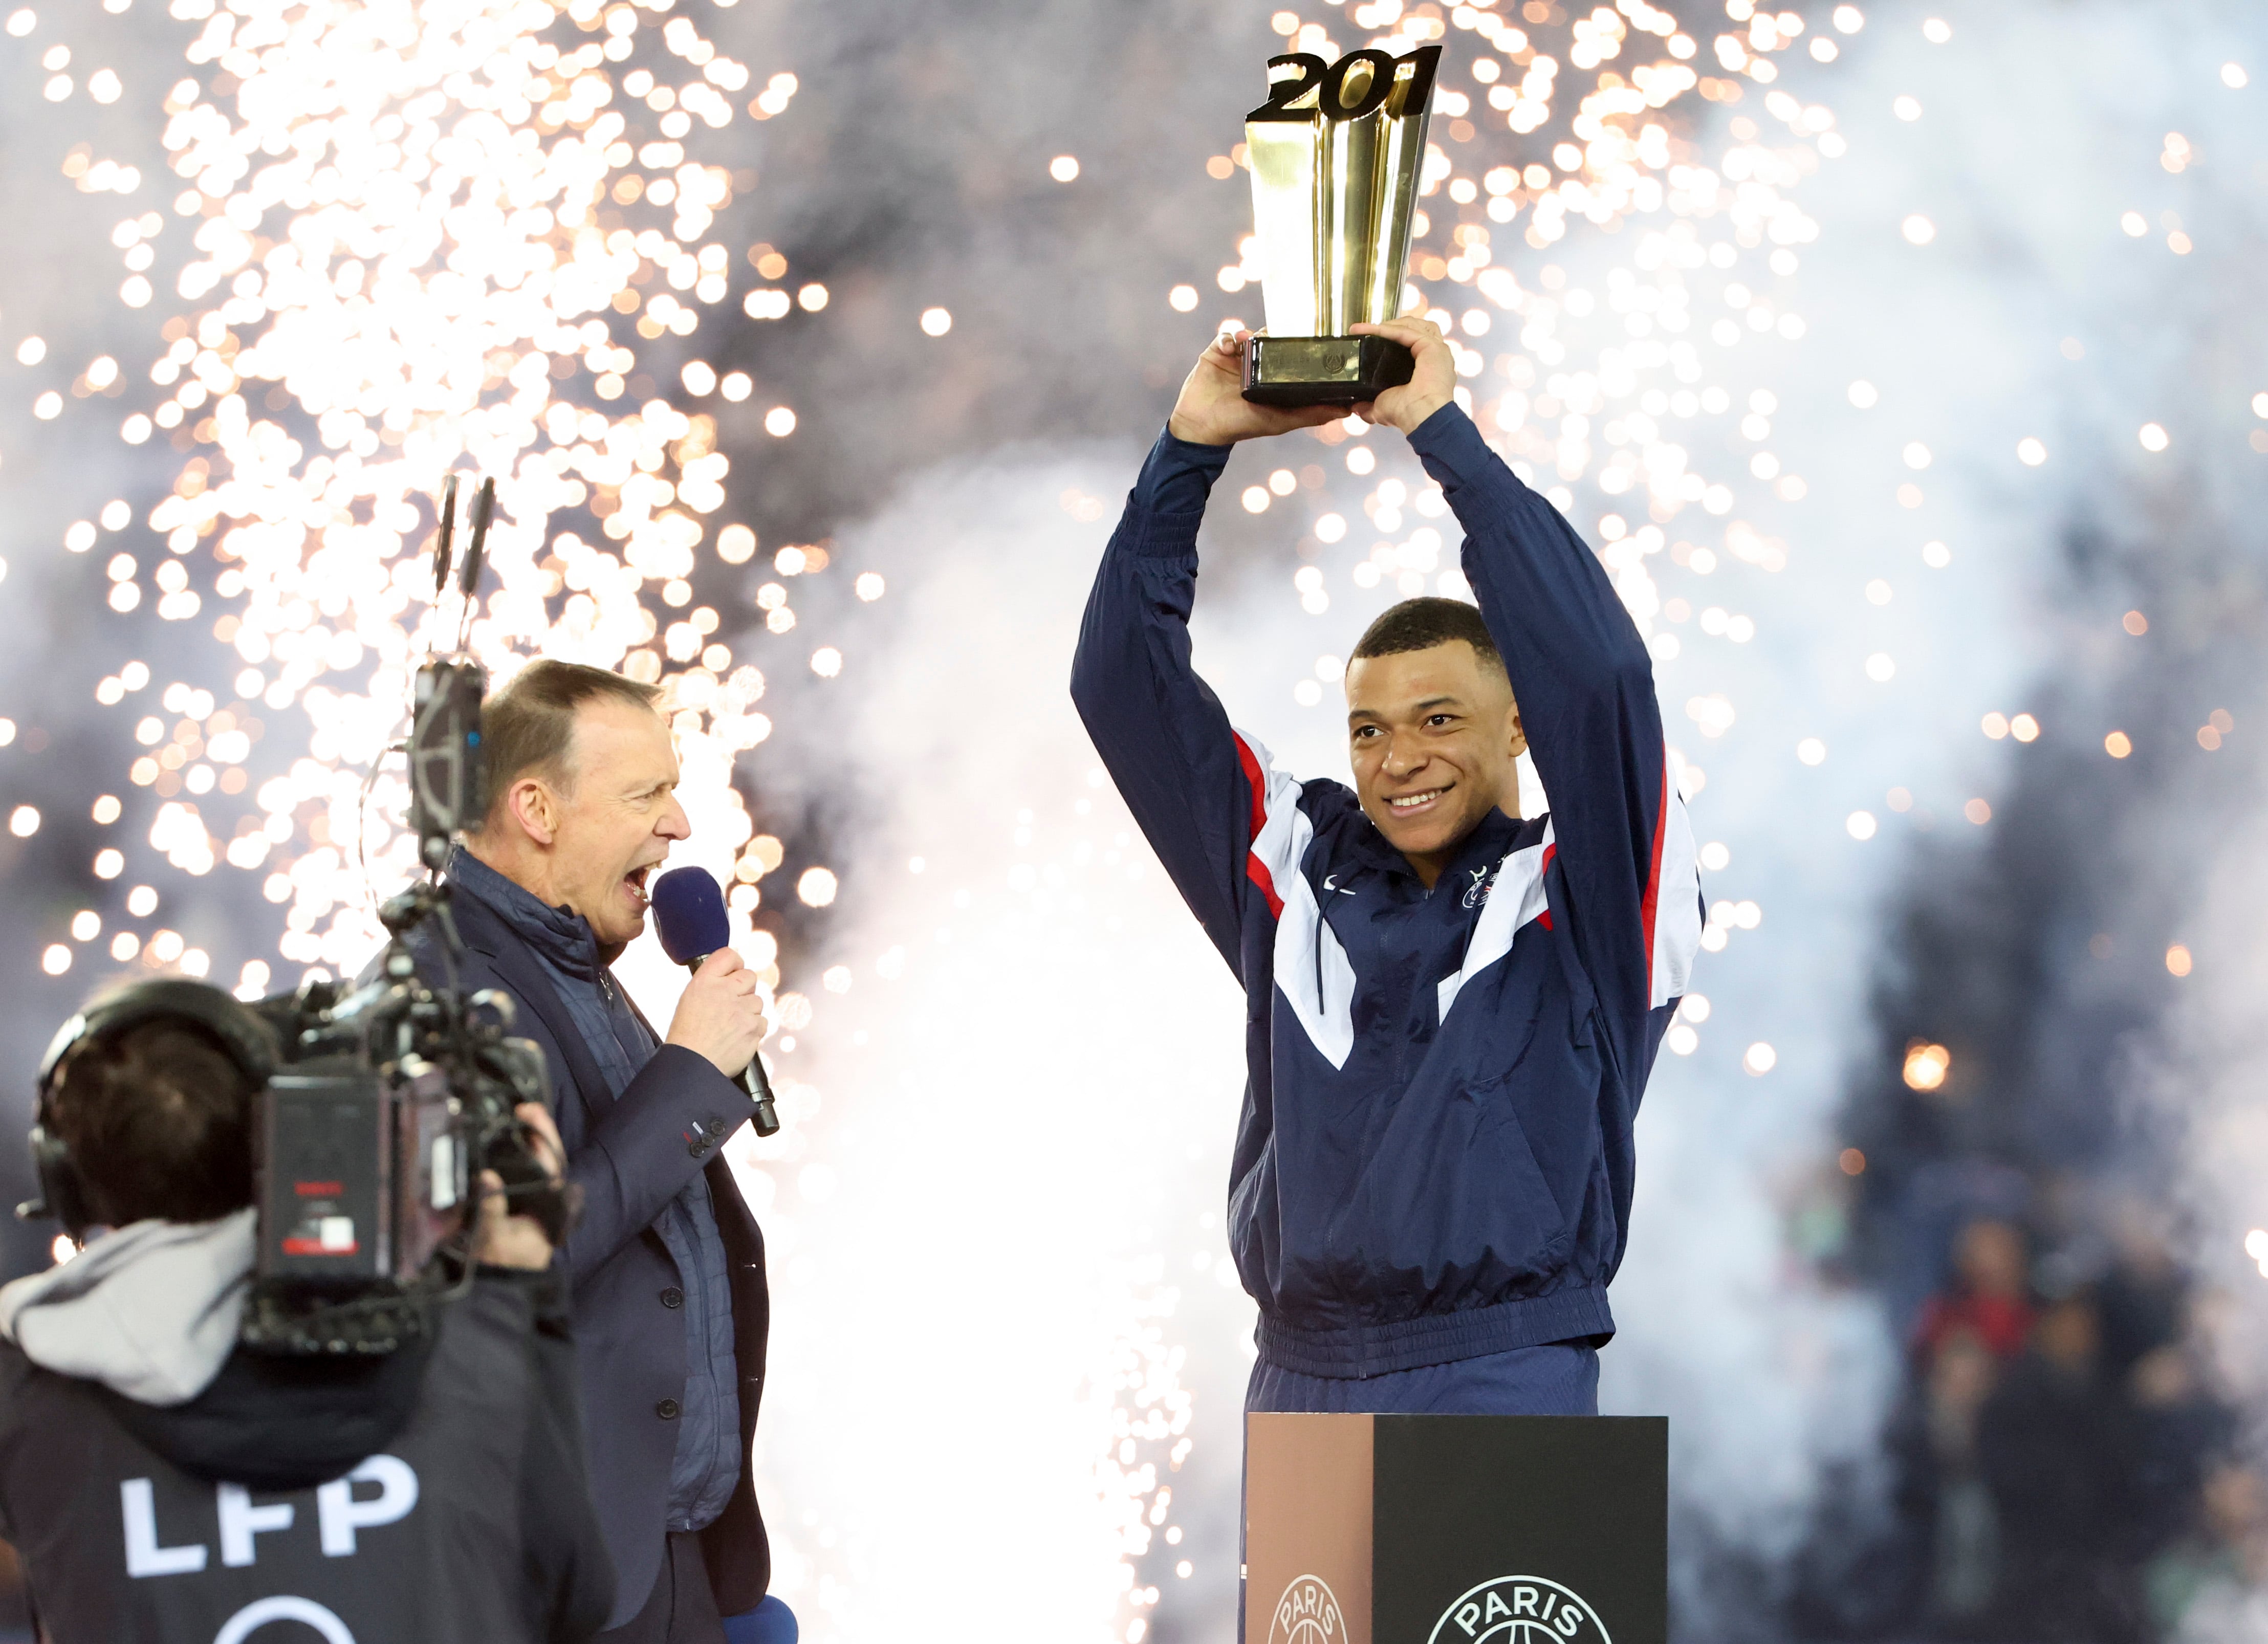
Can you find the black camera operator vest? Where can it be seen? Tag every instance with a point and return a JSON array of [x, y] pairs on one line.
[[472, 1526]]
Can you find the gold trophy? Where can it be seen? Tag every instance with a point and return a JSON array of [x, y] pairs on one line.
[[1337, 152]]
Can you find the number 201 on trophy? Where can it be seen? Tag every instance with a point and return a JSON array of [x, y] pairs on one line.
[[1337, 154], [1357, 85]]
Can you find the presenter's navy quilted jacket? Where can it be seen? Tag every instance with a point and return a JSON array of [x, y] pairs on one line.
[[1434, 1158]]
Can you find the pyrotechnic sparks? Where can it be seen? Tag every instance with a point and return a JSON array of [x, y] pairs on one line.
[[412, 218], [415, 229], [1926, 1066]]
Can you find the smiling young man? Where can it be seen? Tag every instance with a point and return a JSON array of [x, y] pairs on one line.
[[667, 1265], [1451, 1009]]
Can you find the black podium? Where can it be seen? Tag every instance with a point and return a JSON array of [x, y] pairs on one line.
[[1456, 1530]]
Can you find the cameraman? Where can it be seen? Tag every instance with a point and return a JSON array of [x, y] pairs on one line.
[[162, 1483]]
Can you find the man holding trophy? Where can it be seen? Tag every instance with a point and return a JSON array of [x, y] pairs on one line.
[[1453, 1010]]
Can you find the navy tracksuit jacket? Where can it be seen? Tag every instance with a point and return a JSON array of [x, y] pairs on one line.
[[1434, 1159]]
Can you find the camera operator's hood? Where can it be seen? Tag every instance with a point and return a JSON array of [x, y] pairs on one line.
[[151, 1311]]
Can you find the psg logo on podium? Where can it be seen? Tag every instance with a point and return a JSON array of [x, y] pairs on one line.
[[1308, 1613], [1379, 1529], [1519, 1610]]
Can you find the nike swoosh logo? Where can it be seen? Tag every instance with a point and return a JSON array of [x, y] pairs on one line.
[[1328, 885]]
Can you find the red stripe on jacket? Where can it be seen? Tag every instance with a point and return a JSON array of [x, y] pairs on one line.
[[1255, 868], [1647, 904]]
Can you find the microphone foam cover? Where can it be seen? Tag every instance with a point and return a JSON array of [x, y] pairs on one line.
[[689, 914]]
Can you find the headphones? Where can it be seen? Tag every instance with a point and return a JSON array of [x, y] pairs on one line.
[[249, 1042]]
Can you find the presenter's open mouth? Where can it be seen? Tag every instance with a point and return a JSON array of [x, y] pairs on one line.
[[1414, 804], [635, 882]]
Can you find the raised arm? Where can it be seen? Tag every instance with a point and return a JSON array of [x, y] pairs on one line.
[[1585, 685], [1201, 794]]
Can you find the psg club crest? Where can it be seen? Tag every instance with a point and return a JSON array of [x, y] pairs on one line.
[[1519, 1610], [1308, 1613]]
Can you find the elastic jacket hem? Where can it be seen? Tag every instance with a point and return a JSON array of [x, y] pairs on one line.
[[1576, 1314]]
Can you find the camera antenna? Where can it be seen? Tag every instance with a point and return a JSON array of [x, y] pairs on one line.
[[446, 511], [483, 513]]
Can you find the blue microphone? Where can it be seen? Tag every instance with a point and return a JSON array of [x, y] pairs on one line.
[[688, 916], [770, 1622]]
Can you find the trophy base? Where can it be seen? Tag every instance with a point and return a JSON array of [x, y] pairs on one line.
[[1323, 370]]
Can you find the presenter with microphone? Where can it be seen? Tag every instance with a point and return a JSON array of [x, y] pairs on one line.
[[667, 1263]]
